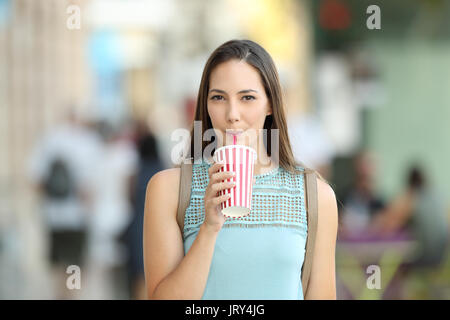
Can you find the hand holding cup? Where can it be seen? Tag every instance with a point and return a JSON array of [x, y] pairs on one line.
[[214, 219]]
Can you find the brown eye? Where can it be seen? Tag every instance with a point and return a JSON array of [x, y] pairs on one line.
[[216, 97], [248, 98]]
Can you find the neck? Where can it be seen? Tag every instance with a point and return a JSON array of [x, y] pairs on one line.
[[264, 163]]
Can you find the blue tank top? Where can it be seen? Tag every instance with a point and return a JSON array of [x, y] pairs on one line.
[[260, 256]]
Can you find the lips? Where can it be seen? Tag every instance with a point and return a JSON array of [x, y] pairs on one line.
[[234, 132]]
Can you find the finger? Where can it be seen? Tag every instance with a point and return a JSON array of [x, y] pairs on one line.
[[218, 200], [221, 176], [215, 168], [222, 185]]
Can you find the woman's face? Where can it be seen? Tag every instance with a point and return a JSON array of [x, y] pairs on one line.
[[237, 101]]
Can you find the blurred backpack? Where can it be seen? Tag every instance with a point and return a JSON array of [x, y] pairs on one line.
[[59, 183]]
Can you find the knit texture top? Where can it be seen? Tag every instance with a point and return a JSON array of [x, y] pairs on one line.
[[259, 256]]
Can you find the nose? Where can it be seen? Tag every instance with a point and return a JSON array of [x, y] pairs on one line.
[[233, 114]]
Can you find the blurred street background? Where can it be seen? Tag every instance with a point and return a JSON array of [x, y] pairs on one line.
[[92, 90]]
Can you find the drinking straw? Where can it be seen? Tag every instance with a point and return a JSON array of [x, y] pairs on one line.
[[234, 139]]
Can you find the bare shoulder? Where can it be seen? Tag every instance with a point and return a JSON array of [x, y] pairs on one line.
[[163, 187], [325, 191], [167, 177], [327, 201], [322, 283], [162, 238]]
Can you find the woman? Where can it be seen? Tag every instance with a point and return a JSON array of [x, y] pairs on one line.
[[255, 257]]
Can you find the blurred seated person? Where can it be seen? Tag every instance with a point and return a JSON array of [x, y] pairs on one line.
[[361, 203], [421, 210]]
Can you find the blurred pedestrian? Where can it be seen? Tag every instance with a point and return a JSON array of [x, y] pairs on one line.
[[114, 177], [149, 163], [61, 164]]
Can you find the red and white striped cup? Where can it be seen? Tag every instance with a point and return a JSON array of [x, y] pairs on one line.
[[240, 160]]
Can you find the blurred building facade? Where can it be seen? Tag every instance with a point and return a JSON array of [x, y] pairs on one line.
[[43, 69]]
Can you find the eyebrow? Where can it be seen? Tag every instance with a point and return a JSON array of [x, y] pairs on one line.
[[242, 91]]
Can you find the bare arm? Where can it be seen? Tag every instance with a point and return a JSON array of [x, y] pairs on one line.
[[322, 283], [169, 274], [395, 216]]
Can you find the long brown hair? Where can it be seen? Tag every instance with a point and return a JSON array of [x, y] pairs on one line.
[[256, 56]]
